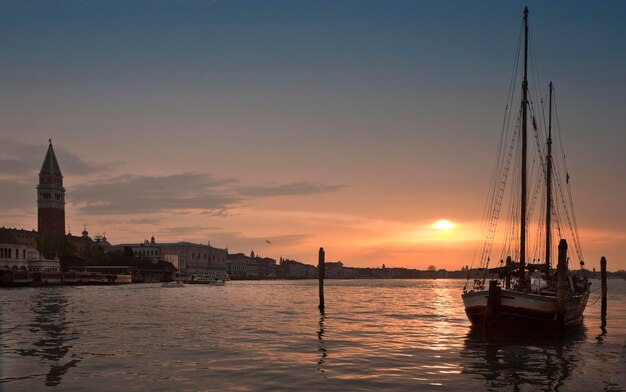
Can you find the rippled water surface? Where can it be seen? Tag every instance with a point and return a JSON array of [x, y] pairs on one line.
[[375, 334]]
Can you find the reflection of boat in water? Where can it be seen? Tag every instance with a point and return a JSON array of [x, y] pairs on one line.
[[518, 362], [523, 294]]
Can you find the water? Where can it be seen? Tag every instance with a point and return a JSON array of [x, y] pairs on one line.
[[376, 334]]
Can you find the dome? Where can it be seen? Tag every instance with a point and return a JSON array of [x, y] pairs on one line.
[[32, 254]]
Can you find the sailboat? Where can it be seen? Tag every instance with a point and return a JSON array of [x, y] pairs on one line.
[[521, 294]]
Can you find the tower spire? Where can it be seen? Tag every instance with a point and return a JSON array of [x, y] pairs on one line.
[[50, 164]]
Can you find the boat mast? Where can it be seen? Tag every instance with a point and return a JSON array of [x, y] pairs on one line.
[[522, 256], [549, 185]]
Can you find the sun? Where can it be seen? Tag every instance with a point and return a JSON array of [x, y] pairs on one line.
[[443, 224]]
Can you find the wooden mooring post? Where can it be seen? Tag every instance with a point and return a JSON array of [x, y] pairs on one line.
[[494, 299], [507, 274], [604, 293], [320, 274], [561, 293]]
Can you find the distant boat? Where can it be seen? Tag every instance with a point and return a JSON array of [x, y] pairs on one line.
[[522, 294], [209, 279], [176, 283]]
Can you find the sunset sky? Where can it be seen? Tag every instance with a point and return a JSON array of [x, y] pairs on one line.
[[353, 125]]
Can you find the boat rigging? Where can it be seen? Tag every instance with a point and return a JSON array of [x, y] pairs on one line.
[[531, 287]]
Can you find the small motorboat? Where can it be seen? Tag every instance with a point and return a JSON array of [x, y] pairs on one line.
[[176, 283]]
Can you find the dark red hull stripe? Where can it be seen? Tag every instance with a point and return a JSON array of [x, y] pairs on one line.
[[476, 315]]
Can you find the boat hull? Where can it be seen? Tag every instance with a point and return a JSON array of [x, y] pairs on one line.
[[518, 310]]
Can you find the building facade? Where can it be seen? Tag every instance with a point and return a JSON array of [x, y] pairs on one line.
[[240, 266], [333, 270], [196, 259], [146, 249], [237, 266], [291, 269], [267, 268], [18, 257]]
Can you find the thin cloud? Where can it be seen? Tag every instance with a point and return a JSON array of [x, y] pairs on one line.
[[217, 212], [133, 194], [181, 231], [145, 221], [292, 189], [16, 158]]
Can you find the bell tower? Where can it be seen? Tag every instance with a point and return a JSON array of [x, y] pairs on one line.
[[50, 197]]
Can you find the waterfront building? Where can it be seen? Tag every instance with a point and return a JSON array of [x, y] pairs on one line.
[[240, 266], [267, 268], [237, 269], [50, 197], [189, 258], [252, 269], [19, 236], [237, 266], [333, 270], [18, 257], [350, 273], [172, 259], [196, 259], [102, 243], [146, 249], [291, 269]]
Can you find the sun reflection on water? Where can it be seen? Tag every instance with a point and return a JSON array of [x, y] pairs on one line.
[[373, 335]]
